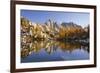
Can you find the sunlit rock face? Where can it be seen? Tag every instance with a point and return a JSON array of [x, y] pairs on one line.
[[50, 29]]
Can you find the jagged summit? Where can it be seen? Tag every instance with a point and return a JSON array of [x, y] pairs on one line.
[[70, 24]]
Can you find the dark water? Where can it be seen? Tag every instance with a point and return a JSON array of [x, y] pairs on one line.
[[43, 51]]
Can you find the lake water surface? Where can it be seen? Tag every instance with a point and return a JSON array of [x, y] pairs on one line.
[[44, 51]]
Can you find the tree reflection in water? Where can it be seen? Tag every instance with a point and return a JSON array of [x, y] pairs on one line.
[[53, 51]]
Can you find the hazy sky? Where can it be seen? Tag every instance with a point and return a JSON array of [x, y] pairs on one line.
[[42, 16]]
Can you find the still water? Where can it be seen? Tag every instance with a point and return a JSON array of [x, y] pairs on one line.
[[43, 51]]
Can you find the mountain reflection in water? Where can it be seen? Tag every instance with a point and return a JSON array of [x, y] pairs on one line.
[[43, 51]]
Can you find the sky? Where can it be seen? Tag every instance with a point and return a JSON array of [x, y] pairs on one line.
[[37, 16]]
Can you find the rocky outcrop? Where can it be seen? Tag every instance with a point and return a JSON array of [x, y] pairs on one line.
[[51, 30]]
